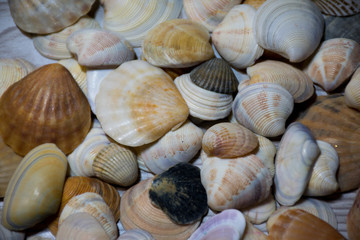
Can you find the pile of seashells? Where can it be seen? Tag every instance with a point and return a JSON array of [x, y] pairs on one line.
[[171, 119]]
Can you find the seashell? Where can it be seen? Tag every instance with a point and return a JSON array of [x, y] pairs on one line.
[[292, 79], [133, 19], [352, 90], [330, 120], [234, 182], [255, 3], [294, 162], [81, 225], [353, 218], [133, 101], [54, 45], [203, 104], [252, 233], [289, 28], [228, 140], [334, 29], [177, 43], [12, 70], [208, 13], [229, 224], [135, 234], [215, 75], [266, 152], [177, 146], [49, 92], [95, 205], [338, 8], [297, 224], [137, 211], [98, 48], [116, 164], [260, 212], [34, 190], [7, 234], [333, 63], [263, 108], [77, 71], [38, 17], [323, 177], [236, 43]]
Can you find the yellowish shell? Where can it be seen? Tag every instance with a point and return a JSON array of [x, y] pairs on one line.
[[77, 71]]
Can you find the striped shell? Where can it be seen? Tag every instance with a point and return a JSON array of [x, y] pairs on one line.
[[261, 212], [338, 7], [352, 91], [7, 234], [77, 71]]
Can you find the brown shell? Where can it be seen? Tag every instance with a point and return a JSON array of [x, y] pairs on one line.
[[46, 106], [353, 219]]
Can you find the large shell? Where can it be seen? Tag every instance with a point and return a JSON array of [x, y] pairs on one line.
[[45, 106], [7, 234], [338, 7], [290, 28], [133, 102], [353, 219], [35, 188], [177, 43], [77, 71], [352, 91], [46, 17], [260, 212], [236, 43], [334, 62], [135, 234]]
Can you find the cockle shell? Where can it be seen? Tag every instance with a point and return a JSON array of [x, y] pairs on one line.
[[236, 43], [45, 106], [266, 152], [352, 91], [137, 211], [177, 146], [177, 43], [35, 188], [99, 48], [7, 234], [338, 8], [353, 219], [290, 28], [260, 212], [292, 79], [54, 45], [135, 234], [133, 101], [46, 17], [334, 62], [294, 162], [263, 108], [77, 71], [255, 3]]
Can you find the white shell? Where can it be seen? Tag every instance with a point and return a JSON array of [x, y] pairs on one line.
[[352, 91], [266, 152], [260, 212], [135, 234]]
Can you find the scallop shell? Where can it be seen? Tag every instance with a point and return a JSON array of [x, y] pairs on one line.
[[266, 152], [352, 90], [77, 71], [133, 19], [135, 234], [263, 108], [34, 190], [255, 3], [45, 106], [177, 43], [46, 17], [353, 219], [7, 234], [260, 212], [334, 62], [236, 43], [133, 102], [338, 7], [290, 28]]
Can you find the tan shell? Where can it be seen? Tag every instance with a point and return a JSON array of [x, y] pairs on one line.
[[77, 71], [7, 234], [353, 219], [255, 3], [260, 212], [352, 91]]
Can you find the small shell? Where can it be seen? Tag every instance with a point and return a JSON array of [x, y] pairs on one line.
[[266, 152], [353, 219], [260, 212], [7, 234], [338, 7], [135, 234], [352, 91], [77, 71]]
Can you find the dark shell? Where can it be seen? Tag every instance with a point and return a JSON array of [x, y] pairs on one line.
[[180, 194], [334, 27], [353, 219], [215, 75]]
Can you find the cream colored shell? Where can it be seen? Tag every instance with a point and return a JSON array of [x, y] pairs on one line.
[[77, 71], [352, 91]]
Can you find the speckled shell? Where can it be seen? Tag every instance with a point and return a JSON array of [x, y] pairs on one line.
[[177, 43], [260, 212], [352, 91], [35, 188], [338, 8], [45, 106], [290, 28], [334, 62], [77, 71], [135, 234], [7, 234], [38, 17], [353, 219], [236, 43]]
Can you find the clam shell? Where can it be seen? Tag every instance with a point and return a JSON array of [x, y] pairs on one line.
[[266, 152], [45, 106], [338, 8], [7, 234], [289, 28], [260, 212], [352, 90], [133, 101], [77, 71], [35, 188], [236, 43], [353, 219], [177, 43], [135, 234]]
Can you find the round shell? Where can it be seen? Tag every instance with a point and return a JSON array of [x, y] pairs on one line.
[[352, 91]]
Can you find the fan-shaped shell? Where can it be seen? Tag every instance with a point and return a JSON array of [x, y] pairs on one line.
[[260, 212], [34, 190], [290, 28], [177, 43], [77, 71], [135, 234], [133, 102], [353, 218], [352, 91], [236, 43], [7, 234], [338, 8]]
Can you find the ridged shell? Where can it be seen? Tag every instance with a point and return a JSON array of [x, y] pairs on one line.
[[255, 3], [45, 106], [228, 140], [7, 234], [203, 104], [177, 43], [334, 62], [54, 45], [353, 219], [352, 91], [266, 152], [292, 79], [177, 146], [298, 151], [260, 212], [290, 28], [137, 211], [263, 108], [338, 7], [46, 17], [77, 71], [236, 43], [133, 101], [135, 234], [35, 188]]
